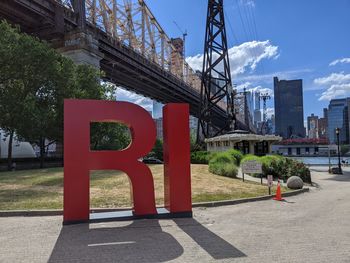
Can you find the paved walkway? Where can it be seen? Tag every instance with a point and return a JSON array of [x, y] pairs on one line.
[[312, 227]]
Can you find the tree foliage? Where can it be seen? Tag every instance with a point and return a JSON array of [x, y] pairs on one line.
[[34, 81], [109, 136]]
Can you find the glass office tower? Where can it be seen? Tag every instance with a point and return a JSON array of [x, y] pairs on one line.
[[289, 111], [338, 117]]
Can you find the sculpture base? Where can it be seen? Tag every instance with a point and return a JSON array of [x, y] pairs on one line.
[[162, 213]]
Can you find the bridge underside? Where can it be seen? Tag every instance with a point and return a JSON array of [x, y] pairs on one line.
[[122, 65]]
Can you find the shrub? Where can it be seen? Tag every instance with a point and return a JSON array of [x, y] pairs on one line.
[[281, 167], [222, 157], [200, 157], [223, 169], [250, 157], [298, 169], [237, 155], [223, 164], [272, 164]]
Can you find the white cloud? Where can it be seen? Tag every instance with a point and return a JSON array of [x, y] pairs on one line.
[[247, 2], [336, 91], [124, 95], [337, 84], [243, 57], [270, 112], [334, 78], [245, 85], [268, 78], [248, 87], [340, 61], [263, 90]]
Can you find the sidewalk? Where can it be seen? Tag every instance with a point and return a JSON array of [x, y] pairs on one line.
[[262, 232]]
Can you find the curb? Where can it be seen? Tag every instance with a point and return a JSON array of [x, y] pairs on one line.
[[247, 200], [58, 212]]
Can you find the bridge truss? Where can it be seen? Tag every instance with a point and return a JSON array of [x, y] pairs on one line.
[[132, 23], [136, 52]]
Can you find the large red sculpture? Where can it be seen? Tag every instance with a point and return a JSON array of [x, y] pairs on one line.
[[79, 160]]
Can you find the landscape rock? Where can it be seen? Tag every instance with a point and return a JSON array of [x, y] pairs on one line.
[[295, 182]]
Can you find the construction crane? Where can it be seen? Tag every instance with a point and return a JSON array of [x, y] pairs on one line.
[[184, 35], [264, 97]]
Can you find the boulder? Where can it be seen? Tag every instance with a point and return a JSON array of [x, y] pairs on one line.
[[295, 182]]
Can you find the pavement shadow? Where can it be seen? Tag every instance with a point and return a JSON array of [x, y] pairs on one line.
[[286, 201], [340, 177], [140, 241], [213, 244]]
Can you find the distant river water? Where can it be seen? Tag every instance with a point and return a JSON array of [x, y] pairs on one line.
[[320, 160]]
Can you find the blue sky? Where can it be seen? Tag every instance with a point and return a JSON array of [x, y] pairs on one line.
[[284, 38]]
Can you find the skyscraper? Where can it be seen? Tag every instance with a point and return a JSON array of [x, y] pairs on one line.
[[157, 110], [323, 125], [257, 111], [338, 117], [289, 111], [312, 126], [257, 100]]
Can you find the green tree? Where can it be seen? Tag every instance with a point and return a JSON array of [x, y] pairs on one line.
[[34, 81], [194, 145], [157, 151], [25, 68], [109, 136]]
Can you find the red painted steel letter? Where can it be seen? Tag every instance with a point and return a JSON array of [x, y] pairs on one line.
[[79, 160], [177, 168]]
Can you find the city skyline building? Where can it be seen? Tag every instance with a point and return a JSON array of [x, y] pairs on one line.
[[250, 104], [323, 125], [257, 110], [257, 117], [157, 111], [159, 127], [257, 100], [289, 109], [312, 126], [338, 117]]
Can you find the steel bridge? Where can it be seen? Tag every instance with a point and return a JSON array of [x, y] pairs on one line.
[[124, 36]]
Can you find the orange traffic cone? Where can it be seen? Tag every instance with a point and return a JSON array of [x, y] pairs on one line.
[[278, 193]]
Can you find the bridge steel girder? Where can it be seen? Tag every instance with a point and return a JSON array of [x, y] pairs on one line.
[[151, 79], [154, 83], [216, 84], [79, 7]]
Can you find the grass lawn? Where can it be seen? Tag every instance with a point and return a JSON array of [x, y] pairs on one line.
[[43, 189]]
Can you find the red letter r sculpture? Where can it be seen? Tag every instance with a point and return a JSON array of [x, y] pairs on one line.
[[79, 160]]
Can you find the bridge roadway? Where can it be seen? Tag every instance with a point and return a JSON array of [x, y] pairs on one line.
[[123, 66]]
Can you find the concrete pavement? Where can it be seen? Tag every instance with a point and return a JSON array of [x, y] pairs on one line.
[[311, 227]]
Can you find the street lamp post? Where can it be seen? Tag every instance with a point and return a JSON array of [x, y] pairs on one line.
[[337, 131]]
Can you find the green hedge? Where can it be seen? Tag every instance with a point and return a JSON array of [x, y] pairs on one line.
[[200, 157], [272, 164], [237, 155], [203, 157], [280, 167], [223, 164], [250, 157], [298, 169]]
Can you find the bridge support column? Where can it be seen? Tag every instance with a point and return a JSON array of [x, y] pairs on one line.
[[82, 48]]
